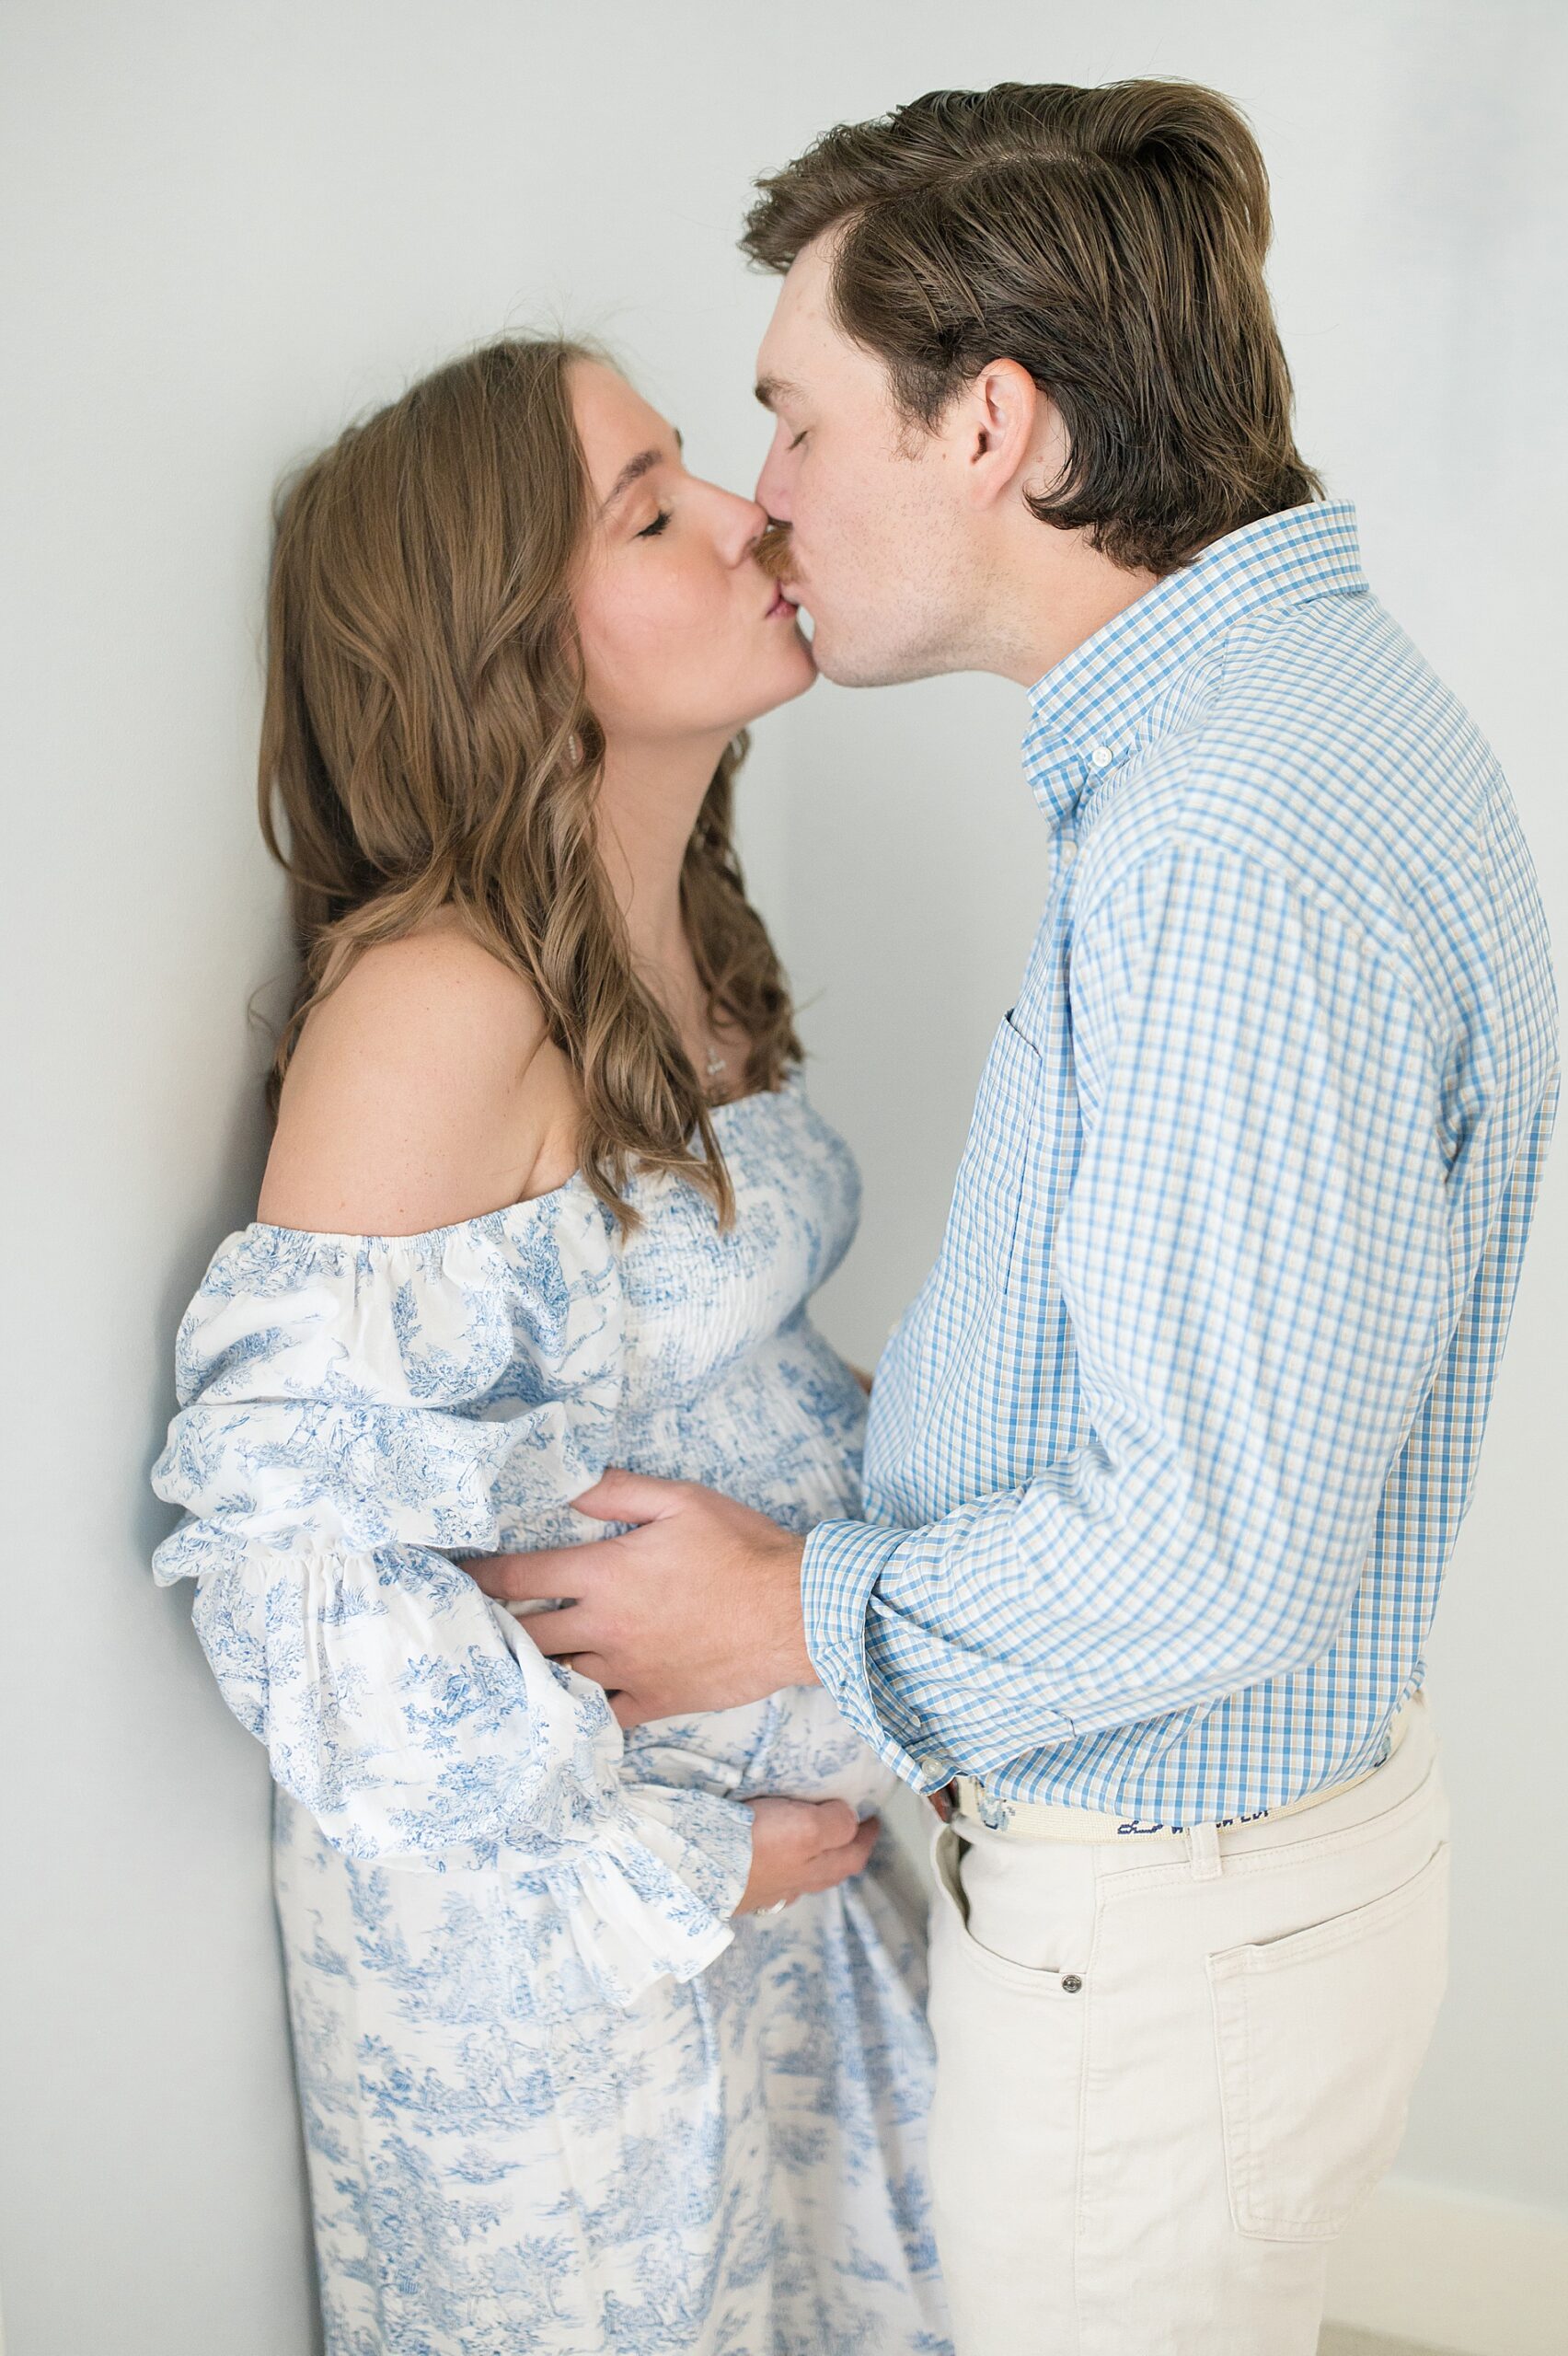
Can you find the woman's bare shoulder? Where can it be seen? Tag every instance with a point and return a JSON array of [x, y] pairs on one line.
[[421, 1092]]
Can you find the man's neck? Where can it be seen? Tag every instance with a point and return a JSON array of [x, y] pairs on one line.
[[1048, 596]]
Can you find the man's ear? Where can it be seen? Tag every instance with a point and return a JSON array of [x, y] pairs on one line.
[[1002, 416]]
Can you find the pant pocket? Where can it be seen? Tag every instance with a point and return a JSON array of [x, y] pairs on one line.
[[1319, 2036], [952, 1936]]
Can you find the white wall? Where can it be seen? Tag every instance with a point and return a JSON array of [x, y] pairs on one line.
[[230, 228]]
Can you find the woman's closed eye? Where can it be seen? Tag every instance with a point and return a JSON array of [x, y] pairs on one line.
[[651, 531]]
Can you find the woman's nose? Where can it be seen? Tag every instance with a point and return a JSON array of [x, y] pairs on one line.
[[749, 523]]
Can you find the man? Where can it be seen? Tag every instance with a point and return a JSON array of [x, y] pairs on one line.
[[1165, 1464]]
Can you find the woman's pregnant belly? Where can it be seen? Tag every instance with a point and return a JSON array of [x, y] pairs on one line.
[[781, 1431], [795, 1746], [781, 1427]]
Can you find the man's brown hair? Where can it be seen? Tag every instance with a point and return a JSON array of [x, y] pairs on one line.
[[1112, 242]]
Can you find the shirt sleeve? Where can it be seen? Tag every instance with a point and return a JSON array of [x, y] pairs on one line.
[[1255, 1261], [353, 1413]]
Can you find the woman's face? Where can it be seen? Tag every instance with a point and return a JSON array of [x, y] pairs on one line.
[[683, 634]]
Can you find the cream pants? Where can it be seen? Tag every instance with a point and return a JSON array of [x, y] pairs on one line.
[[1168, 2075]]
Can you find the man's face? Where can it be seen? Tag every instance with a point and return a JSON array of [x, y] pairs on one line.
[[877, 537]]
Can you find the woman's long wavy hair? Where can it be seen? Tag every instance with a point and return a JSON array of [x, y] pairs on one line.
[[427, 744]]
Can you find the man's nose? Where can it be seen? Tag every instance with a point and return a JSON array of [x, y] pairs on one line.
[[772, 495]]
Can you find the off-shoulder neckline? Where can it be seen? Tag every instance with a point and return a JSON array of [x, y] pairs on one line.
[[530, 1204]]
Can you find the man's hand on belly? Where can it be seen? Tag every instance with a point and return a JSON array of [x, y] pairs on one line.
[[697, 1608]]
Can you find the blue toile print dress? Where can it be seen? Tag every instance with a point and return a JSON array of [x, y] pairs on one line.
[[555, 2099]]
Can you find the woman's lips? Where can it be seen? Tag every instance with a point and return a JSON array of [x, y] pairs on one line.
[[781, 605]]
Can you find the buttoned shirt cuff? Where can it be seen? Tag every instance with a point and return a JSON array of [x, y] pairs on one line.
[[842, 1565]]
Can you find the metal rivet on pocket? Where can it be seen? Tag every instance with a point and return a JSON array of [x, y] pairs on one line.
[[1071, 1984]]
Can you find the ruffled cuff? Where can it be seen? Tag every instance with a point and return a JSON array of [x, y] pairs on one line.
[[658, 1888]]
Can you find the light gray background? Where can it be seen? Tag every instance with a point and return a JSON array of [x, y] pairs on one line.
[[230, 228]]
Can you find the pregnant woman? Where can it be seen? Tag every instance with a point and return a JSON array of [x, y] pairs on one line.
[[609, 2044]]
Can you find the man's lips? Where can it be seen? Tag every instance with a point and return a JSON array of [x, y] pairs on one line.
[[781, 604]]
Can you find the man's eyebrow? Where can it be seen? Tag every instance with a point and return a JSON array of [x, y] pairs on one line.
[[635, 469], [771, 389]]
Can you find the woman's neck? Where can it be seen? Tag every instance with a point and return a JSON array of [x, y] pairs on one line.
[[649, 799]]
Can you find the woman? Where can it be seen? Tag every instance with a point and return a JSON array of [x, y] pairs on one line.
[[604, 2042]]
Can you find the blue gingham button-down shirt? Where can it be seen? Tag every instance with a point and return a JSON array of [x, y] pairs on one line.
[[1165, 1460]]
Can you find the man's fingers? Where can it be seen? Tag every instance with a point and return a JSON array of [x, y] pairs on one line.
[[587, 1665], [570, 1630], [628, 1496], [527, 1578]]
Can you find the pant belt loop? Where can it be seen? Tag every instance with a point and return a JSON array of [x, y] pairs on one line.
[[1203, 1841]]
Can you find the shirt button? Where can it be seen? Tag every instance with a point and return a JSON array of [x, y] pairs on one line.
[[938, 1767], [1101, 757]]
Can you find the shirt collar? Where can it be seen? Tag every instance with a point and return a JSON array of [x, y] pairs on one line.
[[1087, 709]]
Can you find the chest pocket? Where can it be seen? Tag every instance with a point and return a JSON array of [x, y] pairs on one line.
[[995, 1173]]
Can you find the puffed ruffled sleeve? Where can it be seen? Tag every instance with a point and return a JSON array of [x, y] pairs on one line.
[[353, 1411]]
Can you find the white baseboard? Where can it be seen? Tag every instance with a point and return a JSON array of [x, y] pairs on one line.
[[1478, 2278]]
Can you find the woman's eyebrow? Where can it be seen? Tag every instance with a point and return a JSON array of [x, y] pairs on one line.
[[771, 389], [635, 469]]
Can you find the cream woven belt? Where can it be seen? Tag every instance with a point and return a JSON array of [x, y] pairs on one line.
[[970, 1803]]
